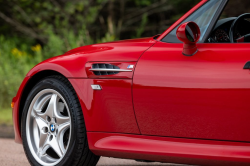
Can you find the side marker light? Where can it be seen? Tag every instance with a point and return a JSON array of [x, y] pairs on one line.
[[96, 87], [12, 104]]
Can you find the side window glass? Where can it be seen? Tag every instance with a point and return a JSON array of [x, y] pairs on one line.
[[202, 17]]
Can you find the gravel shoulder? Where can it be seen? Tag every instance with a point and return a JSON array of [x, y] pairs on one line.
[[6, 131]]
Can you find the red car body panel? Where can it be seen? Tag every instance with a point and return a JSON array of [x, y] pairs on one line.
[[202, 100], [72, 63], [15, 111], [173, 150], [108, 110], [204, 96]]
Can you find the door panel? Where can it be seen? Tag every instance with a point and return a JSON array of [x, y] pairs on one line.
[[110, 109], [204, 96]]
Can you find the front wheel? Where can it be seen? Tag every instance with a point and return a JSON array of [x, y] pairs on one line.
[[53, 129]]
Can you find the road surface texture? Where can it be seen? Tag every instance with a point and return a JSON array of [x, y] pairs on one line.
[[12, 154]]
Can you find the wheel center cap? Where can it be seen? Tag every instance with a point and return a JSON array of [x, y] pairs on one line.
[[52, 127]]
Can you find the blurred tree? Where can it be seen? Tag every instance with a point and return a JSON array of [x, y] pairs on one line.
[[102, 20]]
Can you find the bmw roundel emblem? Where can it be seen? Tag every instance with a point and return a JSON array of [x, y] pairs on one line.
[[52, 127]]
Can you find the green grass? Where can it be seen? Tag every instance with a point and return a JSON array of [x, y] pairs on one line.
[[6, 116]]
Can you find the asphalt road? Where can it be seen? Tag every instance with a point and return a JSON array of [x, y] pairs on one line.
[[12, 154]]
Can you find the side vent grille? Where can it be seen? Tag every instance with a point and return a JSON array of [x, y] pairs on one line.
[[105, 66]]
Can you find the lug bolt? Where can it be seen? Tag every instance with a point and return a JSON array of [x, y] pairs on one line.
[[48, 119], [54, 120], [51, 137], [45, 129]]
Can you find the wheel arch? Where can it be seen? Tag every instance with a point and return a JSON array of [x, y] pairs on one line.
[[27, 89], [29, 86]]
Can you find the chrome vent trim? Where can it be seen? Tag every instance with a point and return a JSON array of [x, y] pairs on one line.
[[106, 69]]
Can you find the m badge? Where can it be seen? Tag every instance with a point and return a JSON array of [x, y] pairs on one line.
[[130, 66]]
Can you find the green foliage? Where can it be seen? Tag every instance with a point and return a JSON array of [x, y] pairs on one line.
[[6, 116], [15, 62], [107, 38], [103, 20], [143, 23], [17, 58], [182, 6], [143, 3]]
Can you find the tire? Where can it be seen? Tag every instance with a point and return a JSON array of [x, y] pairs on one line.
[[52, 127]]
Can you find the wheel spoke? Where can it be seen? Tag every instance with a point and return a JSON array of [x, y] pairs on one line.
[[38, 108], [42, 150], [42, 126], [40, 123], [63, 127], [61, 131], [47, 158], [43, 139], [60, 119], [54, 144], [36, 132], [51, 107]]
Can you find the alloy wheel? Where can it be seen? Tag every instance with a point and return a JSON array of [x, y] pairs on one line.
[[48, 126]]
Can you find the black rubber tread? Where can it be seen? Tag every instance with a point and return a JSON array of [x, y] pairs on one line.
[[78, 153]]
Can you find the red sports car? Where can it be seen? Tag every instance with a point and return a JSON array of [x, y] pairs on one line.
[[178, 97]]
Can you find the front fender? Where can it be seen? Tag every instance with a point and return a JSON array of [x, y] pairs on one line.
[[72, 66]]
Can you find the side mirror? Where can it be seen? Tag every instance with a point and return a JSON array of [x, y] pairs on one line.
[[189, 33]]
